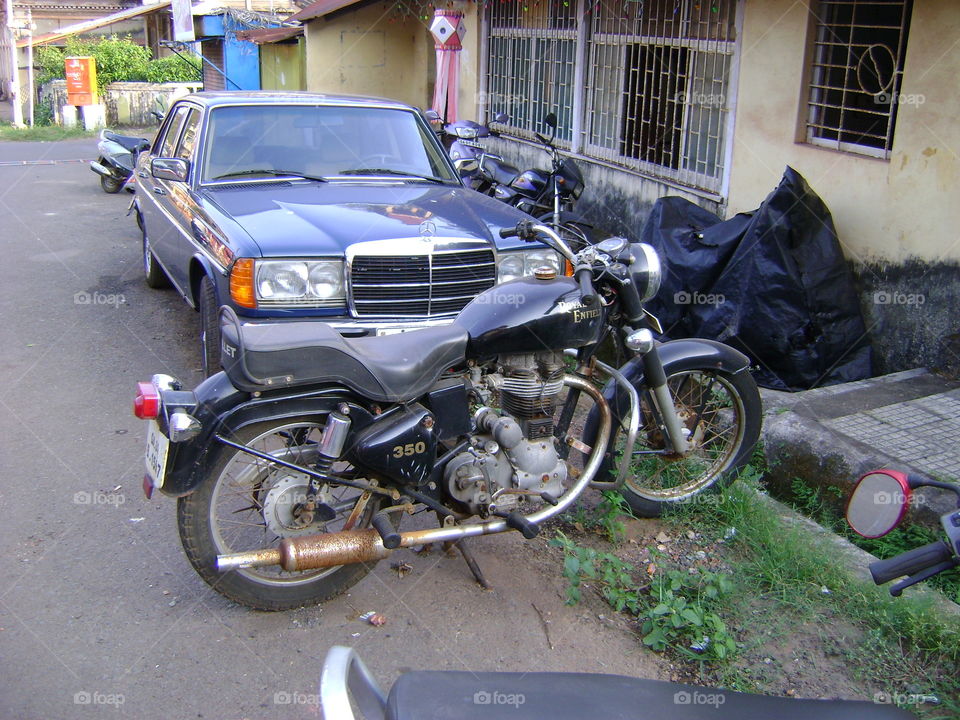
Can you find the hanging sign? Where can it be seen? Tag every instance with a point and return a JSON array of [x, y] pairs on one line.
[[183, 21]]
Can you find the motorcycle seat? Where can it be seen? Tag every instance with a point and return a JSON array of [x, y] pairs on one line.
[[133, 144], [391, 368], [561, 696], [501, 172]]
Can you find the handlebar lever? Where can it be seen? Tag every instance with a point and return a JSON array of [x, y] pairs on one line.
[[897, 589]]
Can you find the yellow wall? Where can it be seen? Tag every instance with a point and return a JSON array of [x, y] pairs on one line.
[[908, 206], [362, 52]]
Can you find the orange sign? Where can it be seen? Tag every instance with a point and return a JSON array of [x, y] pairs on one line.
[[81, 75]]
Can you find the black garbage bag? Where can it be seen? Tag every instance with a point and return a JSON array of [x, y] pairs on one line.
[[779, 290]]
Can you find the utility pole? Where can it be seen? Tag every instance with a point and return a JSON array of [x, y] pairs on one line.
[[14, 69], [30, 88]]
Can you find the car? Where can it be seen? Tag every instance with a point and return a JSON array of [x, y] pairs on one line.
[[289, 206]]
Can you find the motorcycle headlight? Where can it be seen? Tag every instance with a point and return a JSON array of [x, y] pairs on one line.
[[519, 263], [312, 283], [646, 270], [467, 133]]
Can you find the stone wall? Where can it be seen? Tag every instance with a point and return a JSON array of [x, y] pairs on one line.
[[127, 103]]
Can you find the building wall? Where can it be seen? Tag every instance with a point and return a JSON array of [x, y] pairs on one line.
[[897, 219], [369, 51]]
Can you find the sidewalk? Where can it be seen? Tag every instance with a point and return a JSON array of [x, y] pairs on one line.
[[907, 421]]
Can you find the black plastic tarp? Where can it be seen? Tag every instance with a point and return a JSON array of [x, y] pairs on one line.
[[772, 283]]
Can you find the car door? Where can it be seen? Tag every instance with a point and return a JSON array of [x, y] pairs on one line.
[[159, 212], [181, 200]]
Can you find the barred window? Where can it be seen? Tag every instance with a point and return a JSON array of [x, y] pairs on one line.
[[855, 74], [642, 84]]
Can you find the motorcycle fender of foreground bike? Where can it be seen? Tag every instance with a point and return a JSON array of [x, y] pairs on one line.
[[294, 466]]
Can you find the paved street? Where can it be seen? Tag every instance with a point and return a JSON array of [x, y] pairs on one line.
[[100, 613]]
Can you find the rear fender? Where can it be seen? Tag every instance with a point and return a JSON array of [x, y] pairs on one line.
[[222, 409], [676, 356]]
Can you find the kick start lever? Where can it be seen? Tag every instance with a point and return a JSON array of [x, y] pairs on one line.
[[517, 521]]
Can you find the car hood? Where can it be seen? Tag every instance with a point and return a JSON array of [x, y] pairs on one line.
[[324, 218]]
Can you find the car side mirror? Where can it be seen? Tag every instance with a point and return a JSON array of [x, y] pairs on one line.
[[878, 503], [170, 169]]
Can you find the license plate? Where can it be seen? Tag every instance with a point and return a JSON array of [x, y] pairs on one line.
[[156, 456], [394, 331]]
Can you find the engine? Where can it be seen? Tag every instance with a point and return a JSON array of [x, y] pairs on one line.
[[512, 455]]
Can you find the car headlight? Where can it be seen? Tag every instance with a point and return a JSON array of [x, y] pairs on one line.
[[519, 263], [314, 283]]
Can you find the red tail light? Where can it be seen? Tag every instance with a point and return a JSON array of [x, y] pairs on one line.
[[146, 404]]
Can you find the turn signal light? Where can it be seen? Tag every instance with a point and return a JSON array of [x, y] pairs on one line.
[[146, 403], [241, 283]]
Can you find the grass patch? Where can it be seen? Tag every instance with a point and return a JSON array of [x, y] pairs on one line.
[[42, 133]]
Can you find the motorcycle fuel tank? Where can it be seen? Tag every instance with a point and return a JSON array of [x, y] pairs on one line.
[[529, 315]]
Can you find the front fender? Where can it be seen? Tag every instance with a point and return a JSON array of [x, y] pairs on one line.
[[222, 408], [676, 356]]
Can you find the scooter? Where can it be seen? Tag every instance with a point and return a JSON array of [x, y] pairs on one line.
[[879, 503], [117, 158], [429, 695], [480, 169]]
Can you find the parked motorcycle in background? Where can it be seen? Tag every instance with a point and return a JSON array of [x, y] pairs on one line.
[[294, 466], [117, 158], [480, 169], [879, 503]]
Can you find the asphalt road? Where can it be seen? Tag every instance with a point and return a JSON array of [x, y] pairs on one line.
[[100, 613]]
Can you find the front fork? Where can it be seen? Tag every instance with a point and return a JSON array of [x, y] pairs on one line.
[[657, 382]]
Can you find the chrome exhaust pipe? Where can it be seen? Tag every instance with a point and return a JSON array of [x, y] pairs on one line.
[[312, 552]]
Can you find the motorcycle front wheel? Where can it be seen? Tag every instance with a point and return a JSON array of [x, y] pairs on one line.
[[722, 414], [246, 503]]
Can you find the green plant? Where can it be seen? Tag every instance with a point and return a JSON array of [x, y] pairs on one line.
[[174, 69], [679, 612], [685, 618]]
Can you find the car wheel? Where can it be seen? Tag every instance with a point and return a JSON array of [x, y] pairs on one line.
[[209, 327], [152, 272]]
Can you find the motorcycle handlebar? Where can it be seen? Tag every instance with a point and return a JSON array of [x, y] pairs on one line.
[[910, 562], [584, 276]]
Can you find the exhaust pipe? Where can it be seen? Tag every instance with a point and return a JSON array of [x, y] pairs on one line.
[[312, 552]]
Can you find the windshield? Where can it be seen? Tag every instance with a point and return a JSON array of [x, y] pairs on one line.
[[312, 141]]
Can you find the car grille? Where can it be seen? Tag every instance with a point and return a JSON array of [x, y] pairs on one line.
[[419, 285]]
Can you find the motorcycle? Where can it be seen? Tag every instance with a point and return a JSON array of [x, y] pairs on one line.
[[429, 695], [117, 158], [547, 196], [550, 195], [879, 503], [293, 466]]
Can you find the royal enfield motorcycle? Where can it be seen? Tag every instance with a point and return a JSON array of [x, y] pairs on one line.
[[295, 465]]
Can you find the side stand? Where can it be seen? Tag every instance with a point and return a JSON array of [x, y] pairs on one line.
[[470, 560]]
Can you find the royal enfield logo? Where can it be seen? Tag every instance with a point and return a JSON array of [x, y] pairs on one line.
[[579, 312]]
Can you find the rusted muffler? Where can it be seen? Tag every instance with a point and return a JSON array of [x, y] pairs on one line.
[[311, 552]]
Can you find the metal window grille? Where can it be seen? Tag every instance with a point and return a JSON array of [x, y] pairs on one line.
[[639, 83], [856, 73]]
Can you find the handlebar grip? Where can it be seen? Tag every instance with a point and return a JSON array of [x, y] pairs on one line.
[[585, 280], [910, 562], [508, 232]]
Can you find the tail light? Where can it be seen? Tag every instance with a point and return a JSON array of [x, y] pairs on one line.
[[146, 403]]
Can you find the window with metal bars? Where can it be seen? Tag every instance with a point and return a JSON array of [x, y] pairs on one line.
[[639, 83], [855, 74]]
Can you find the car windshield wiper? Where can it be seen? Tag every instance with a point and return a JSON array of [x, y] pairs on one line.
[[398, 173], [273, 173]]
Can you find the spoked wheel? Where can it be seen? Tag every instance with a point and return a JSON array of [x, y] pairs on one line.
[[247, 504], [721, 413], [577, 236]]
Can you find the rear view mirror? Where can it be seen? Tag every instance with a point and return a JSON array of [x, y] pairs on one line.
[[551, 120], [878, 503], [433, 116], [170, 169], [501, 118]]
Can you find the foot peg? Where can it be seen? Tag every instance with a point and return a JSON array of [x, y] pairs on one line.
[[519, 522], [388, 534]]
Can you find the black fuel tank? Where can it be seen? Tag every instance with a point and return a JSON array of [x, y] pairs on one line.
[[529, 315]]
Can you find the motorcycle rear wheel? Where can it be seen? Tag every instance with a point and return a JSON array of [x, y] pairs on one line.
[[237, 507], [723, 413], [110, 185]]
